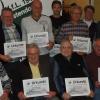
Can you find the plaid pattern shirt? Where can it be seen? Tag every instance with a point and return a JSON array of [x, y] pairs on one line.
[[81, 29], [11, 34]]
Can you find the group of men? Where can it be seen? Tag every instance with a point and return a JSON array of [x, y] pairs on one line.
[[37, 63]]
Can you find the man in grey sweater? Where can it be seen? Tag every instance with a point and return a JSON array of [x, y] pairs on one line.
[[37, 23]]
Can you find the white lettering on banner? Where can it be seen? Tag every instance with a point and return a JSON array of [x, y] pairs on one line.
[[18, 4], [22, 12], [14, 4]]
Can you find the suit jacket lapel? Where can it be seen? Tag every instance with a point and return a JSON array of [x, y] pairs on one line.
[[29, 70]]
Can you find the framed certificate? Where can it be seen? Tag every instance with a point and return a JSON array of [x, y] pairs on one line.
[[15, 49], [36, 87], [81, 44], [77, 86], [40, 38]]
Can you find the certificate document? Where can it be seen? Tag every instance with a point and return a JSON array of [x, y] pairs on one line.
[[81, 44], [36, 87], [77, 86], [15, 49], [99, 74], [40, 38], [1, 89], [55, 50]]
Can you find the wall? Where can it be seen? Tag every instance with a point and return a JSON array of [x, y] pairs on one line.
[[97, 9], [96, 4]]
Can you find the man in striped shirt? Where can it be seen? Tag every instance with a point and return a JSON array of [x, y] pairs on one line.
[[75, 27]]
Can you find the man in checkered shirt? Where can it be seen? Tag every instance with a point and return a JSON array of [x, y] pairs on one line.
[[75, 27]]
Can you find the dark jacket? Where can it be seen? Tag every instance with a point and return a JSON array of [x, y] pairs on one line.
[[93, 31], [68, 69], [26, 73]]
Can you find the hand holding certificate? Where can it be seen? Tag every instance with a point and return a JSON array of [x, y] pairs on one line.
[[40, 38], [77, 86], [36, 87], [15, 49]]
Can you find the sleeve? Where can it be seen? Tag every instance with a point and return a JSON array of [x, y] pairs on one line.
[[24, 32], [59, 82], [85, 70], [50, 32]]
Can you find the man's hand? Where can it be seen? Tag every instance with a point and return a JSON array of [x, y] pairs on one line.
[[50, 45], [91, 94], [51, 94], [4, 96], [21, 96], [97, 84], [66, 96], [5, 58]]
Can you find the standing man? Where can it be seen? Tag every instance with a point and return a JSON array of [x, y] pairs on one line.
[[56, 18], [9, 32], [38, 23], [89, 12], [75, 27]]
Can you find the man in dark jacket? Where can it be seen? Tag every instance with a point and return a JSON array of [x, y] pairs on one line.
[[34, 67], [68, 65], [9, 32]]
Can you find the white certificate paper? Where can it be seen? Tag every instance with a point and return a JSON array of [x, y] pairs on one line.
[[15, 49], [55, 50], [40, 38], [99, 74], [77, 86], [81, 44], [36, 87], [1, 89]]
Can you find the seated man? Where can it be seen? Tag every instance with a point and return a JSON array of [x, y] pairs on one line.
[[93, 63], [68, 65], [34, 67], [5, 81]]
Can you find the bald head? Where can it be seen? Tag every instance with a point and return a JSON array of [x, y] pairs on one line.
[[36, 8], [36, 1]]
